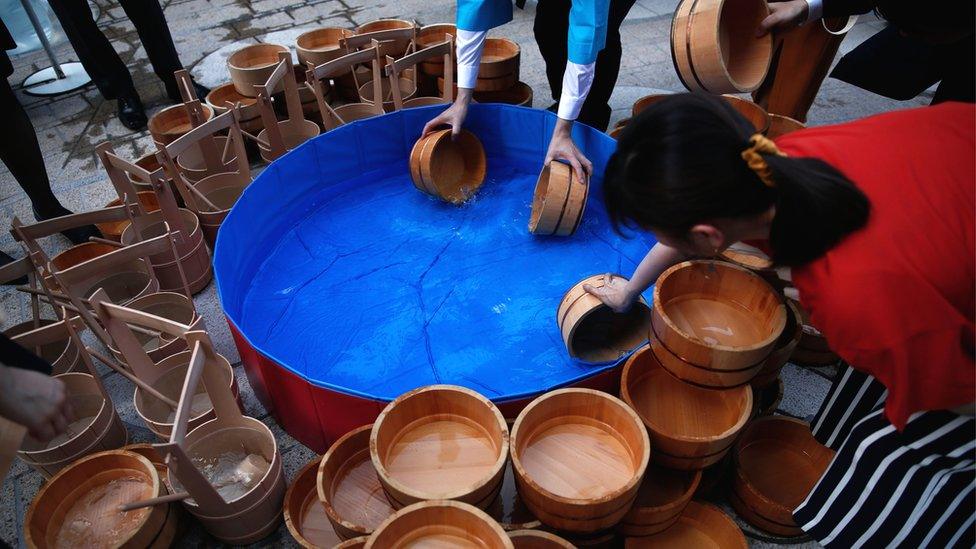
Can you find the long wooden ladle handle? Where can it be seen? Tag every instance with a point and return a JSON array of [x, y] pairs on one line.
[[131, 377], [152, 502]]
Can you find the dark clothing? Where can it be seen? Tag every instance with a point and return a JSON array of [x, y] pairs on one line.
[[551, 34], [100, 60], [6, 43], [18, 357]]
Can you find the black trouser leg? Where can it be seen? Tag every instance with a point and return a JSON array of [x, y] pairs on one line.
[[21, 154], [551, 30], [596, 109], [94, 50], [551, 34], [150, 23]]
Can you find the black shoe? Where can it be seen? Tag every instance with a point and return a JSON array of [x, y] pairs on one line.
[[78, 235], [131, 113], [174, 92]]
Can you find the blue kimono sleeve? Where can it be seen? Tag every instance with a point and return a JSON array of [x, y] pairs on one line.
[[587, 29], [483, 15]]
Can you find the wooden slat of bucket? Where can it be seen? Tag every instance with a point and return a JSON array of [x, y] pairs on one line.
[[558, 202], [701, 524], [662, 497], [450, 169], [304, 516]]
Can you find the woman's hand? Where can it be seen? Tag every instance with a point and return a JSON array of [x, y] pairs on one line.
[[562, 147], [614, 293], [454, 115], [36, 401], [783, 16]]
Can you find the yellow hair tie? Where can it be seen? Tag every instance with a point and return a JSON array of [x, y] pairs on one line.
[[758, 145]]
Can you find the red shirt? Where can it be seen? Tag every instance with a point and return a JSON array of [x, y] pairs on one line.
[[896, 299]]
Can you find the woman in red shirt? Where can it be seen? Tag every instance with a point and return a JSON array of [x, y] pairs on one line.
[[876, 220]]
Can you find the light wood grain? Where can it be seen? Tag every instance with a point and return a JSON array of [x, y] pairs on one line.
[[439, 523]]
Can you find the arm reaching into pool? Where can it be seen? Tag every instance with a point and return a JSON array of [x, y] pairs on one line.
[[587, 36], [620, 297]]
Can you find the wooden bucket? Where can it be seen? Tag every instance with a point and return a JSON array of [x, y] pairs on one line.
[[439, 523], [756, 115], [647, 101], [170, 123], [168, 305], [691, 427], [782, 125], [79, 253], [813, 348], [508, 509], [716, 315], [558, 202], [504, 83], [440, 442], [452, 170], [354, 543], [252, 65], [714, 45], [175, 515], [223, 190], [588, 485], [77, 507], [150, 163], [294, 132], [700, 525], [592, 332], [193, 167], [433, 67], [520, 94], [599, 540], [777, 464], [62, 353], [347, 84], [239, 512], [408, 89], [250, 116], [765, 400], [113, 229], [348, 487], [128, 281], [662, 497], [321, 45], [393, 48], [304, 516], [97, 427], [195, 261], [500, 57], [785, 345], [537, 539], [172, 371]]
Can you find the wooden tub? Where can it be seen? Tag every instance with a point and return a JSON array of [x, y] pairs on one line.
[[691, 427], [440, 442], [446, 168], [592, 332], [558, 202], [661, 499], [579, 456], [439, 523], [252, 65], [349, 491]]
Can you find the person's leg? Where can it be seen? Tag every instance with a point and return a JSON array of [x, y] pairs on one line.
[[95, 52], [20, 152], [596, 108], [551, 35], [150, 23]]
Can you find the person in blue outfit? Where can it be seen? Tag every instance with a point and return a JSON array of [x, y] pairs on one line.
[[586, 38]]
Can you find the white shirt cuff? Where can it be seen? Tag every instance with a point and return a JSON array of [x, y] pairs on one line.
[[469, 46], [576, 85], [814, 10]]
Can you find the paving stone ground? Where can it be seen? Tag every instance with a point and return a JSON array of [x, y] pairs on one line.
[[205, 31]]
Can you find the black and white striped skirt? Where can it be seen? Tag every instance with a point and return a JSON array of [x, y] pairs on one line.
[[884, 488]]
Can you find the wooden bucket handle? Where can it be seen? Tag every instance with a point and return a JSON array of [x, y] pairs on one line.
[[185, 84], [206, 142], [330, 118], [72, 331], [276, 143]]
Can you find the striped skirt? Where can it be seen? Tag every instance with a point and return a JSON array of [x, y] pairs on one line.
[[884, 488]]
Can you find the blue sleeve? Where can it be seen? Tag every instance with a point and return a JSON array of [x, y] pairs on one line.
[[587, 29], [483, 15]]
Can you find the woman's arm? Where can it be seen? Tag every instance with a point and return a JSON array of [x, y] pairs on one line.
[[621, 297]]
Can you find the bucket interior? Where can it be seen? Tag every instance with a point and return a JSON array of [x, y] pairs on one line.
[[746, 57], [604, 335], [233, 459]]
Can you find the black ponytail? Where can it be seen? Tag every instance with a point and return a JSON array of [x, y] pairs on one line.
[[678, 164]]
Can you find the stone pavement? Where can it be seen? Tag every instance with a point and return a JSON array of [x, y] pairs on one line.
[[205, 31]]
